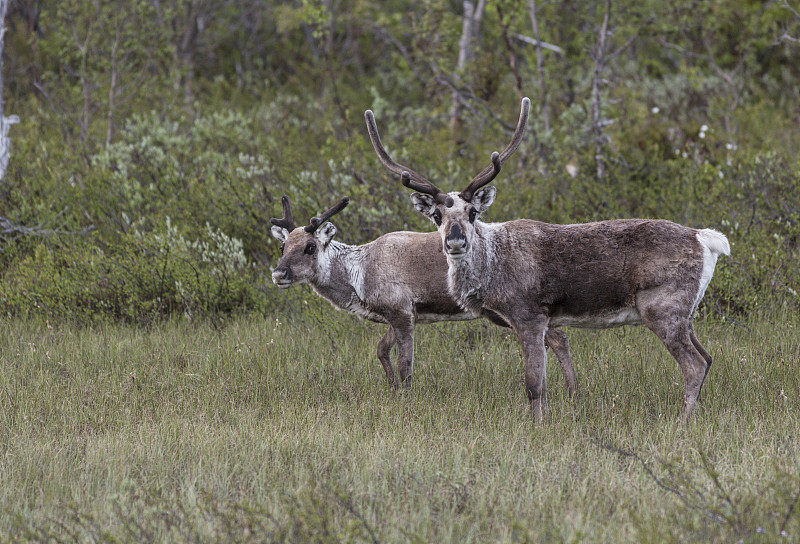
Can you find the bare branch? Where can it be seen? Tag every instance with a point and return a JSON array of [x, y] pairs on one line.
[[703, 509], [543, 45], [785, 37], [785, 4], [9, 230]]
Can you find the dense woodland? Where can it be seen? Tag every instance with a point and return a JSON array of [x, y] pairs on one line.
[[156, 137]]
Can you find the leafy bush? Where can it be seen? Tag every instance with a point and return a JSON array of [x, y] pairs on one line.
[[190, 116], [139, 277]]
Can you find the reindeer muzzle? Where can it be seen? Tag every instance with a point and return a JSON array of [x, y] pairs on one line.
[[455, 243], [283, 277]]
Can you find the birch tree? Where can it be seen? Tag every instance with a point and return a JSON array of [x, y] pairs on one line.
[[540, 68], [5, 122], [471, 25], [603, 54]]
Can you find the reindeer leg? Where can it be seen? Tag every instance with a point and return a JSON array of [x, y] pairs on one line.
[[404, 335], [707, 356], [675, 332], [531, 334], [384, 356], [557, 340]]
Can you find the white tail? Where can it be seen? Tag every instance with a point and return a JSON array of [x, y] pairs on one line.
[[716, 242]]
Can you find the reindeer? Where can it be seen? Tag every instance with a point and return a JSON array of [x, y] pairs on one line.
[[399, 279], [536, 275]]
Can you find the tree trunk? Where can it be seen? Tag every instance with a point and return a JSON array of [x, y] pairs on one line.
[[540, 69], [470, 27], [597, 121], [112, 91], [5, 122]]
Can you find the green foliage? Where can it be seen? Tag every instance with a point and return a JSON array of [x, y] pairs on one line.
[[133, 112], [138, 278]]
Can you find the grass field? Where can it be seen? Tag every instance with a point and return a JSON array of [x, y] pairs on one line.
[[268, 431]]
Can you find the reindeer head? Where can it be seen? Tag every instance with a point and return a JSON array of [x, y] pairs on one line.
[[304, 251], [454, 214]]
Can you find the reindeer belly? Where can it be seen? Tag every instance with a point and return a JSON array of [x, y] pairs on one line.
[[434, 318], [597, 320], [443, 308]]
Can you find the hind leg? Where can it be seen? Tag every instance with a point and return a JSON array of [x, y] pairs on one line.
[[557, 340], [707, 356], [675, 331], [384, 356], [404, 336]]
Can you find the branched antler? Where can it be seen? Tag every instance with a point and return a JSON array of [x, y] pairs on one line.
[[408, 177], [491, 171], [317, 221], [285, 222]]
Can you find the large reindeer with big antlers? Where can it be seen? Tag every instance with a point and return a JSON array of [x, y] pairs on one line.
[[399, 279], [536, 275]]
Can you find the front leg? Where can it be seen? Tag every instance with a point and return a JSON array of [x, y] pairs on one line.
[[384, 356], [530, 332]]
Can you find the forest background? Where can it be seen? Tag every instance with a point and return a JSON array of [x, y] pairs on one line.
[[156, 387], [156, 137]]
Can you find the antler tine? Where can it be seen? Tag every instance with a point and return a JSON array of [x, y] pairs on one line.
[[408, 177], [427, 188], [516, 139], [286, 222], [491, 171], [317, 221]]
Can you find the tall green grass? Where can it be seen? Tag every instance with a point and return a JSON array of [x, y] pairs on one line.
[[264, 430]]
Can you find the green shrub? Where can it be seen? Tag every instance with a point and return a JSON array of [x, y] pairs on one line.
[[139, 277]]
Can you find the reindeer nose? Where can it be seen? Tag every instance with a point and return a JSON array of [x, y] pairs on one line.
[[458, 245], [282, 277], [455, 243]]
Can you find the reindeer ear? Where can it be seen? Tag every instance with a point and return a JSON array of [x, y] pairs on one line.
[[424, 204], [484, 198], [325, 234], [280, 233]]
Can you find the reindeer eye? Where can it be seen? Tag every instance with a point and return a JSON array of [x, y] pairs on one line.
[[437, 217], [473, 213], [311, 247]]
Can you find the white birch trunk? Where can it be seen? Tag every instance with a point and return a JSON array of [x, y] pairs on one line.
[[540, 68], [597, 108], [5, 122], [470, 27]]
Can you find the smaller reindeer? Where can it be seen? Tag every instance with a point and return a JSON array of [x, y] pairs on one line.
[[537, 275], [399, 279]]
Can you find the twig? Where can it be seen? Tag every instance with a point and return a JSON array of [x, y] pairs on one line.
[[348, 504], [707, 512], [512, 56], [789, 512], [543, 45]]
